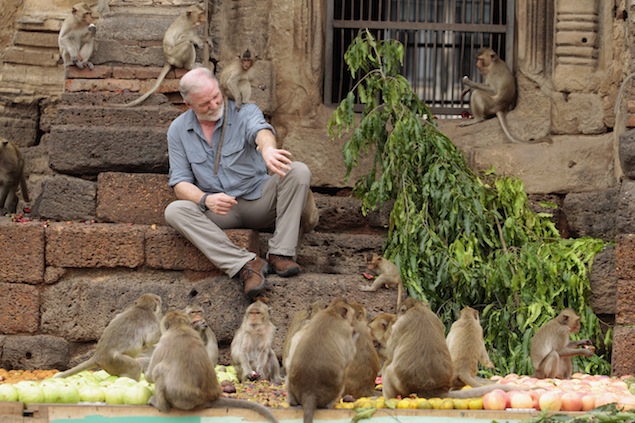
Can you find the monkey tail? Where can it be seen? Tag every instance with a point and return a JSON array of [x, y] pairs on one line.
[[309, 404], [23, 188], [160, 78], [239, 403], [482, 390], [86, 365], [501, 119]]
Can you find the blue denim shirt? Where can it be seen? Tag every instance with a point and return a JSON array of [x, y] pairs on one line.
[[241, 171]]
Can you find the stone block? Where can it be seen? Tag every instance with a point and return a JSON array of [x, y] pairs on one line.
[[95, 149], [625, 213], [623, 359], [113, 51], [22, 257], [81, 245], [35, 352], [577, 114], [592, 214], [603, 282], [161, 115], [167, 249], [133, 197], [626, 151], [66, 198], [625, 256], [625, 303], [20, 308], [19, 123]]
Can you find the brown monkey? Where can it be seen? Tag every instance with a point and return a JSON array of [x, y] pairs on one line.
[[251, 349], [495, 95], [182, 374], [76, 37], [319, 356], [380, 328], [179, 44], [467, 349], [206, 333], [551, 350], [419, 361], [388, 275], [300, 319], [127, 334], [359, 379], [11, 176], [235, 78]]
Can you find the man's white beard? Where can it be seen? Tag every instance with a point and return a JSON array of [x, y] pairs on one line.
[[215, 117]]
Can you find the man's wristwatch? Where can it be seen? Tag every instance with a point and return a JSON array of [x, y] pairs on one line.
[[201, 204]]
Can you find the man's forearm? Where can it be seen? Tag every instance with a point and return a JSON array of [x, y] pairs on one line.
[[188, 191]]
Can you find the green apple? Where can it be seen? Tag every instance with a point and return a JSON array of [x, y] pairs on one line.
[[137, 395], [29, 393], [92, 394], [8, 393], [114, 394]]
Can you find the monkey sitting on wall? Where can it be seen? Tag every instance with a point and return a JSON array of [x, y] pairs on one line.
[[179, 44], [11, 176], [235, 78], [76, 37], [551, 350], [182, 373], [495, 95], [127, 334]]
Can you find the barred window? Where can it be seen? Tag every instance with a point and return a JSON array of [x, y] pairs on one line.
[[441, 40]]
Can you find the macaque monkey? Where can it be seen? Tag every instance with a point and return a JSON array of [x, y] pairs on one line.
[[76, 37], [467, 349], [206, 333], [319, 356], [300, 319], [11, 176], [551, 350], [419, 360], [380, 328], [127, 334], [388, 275], [182, 373], [235, 78], [179, 44], [251, 349], [359, 379], [495, 95]]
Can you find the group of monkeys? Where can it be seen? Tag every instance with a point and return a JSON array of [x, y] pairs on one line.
[[76, 42], [330, 350]]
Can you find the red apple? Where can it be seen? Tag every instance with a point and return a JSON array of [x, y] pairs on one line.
[[495, 400], [588, 402], [520, 399], [571, 401], [550, 401]]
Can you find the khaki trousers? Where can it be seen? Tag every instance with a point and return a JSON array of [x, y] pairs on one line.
[[280, 206]]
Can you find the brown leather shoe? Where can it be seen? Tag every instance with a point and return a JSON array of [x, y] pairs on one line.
[[283, 265], [252, 275]]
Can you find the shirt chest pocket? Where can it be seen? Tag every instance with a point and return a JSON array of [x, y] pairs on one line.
[[199, 162]]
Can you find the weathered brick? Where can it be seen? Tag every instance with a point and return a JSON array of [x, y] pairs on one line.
[[22, 245], [140, 72], [98, 72], [625, 303], [133, 197], [625, 256], [167, 249], [94, 245], [20, 308], [35, 352], [623, 359]]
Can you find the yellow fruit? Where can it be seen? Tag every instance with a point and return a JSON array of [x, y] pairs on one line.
[[364, 402], [461, 403], [391, 402], [447, 404], [405, 403], [423, 404], [435, 403], [380, 402], [475, 403]]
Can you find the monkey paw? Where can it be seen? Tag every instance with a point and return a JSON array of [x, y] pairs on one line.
[[254, 375]]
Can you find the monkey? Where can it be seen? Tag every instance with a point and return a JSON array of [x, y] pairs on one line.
[[310, 214], [361, 373], [300, 319], [418, 359], [183, 375], [551, 350], [319, 356], [11, 176], [251, 349], [127, 334], [388, 275], [76, 37], [235, 78], [495, 95], [179, 42], [206, 333], [467, 349], [380, 328]]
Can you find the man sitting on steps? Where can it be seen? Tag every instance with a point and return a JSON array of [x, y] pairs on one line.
[[219, 160]]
